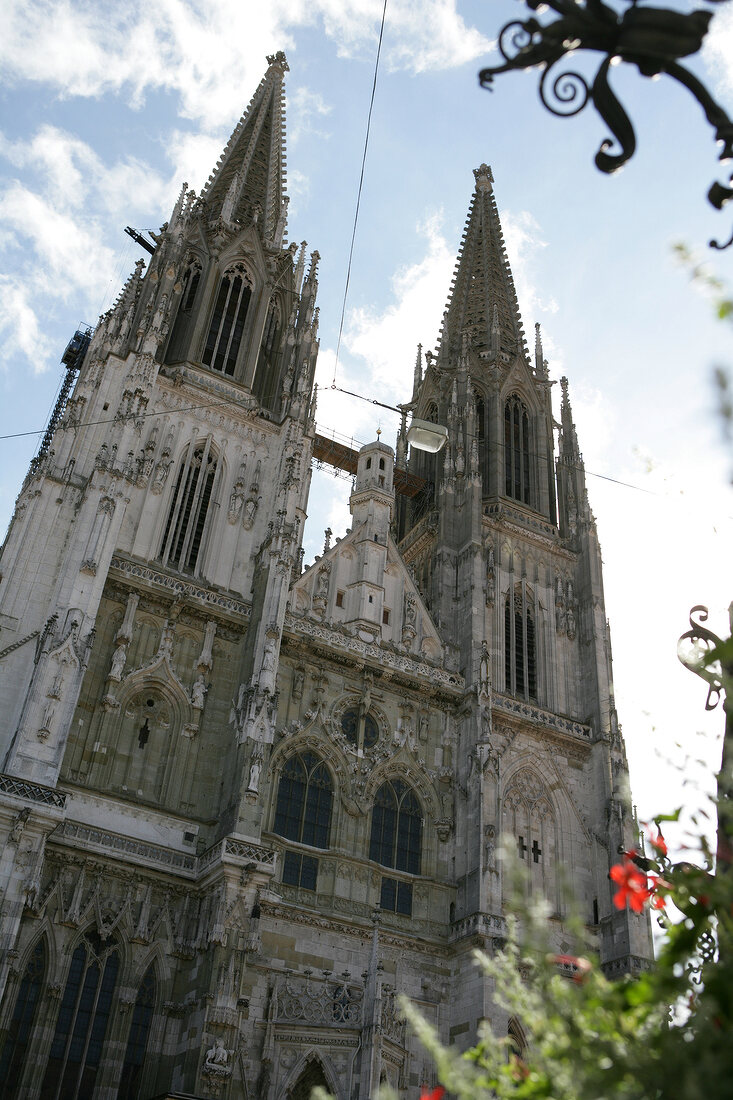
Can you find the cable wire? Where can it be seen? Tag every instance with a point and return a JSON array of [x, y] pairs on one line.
[[358, 194]]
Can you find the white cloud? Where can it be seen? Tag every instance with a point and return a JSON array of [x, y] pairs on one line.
[[523, 236], [20, 330], [717, 51], [387, 341], [304, 107], [202, 50], [52, 228]]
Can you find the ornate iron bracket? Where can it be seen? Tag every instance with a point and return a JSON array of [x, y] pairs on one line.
[[694, 649], [653, 39]]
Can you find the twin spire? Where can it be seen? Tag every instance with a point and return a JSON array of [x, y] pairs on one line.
[[482, 303], [248, 183]]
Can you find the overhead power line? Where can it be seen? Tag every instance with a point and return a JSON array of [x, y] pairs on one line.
[[359, 190]]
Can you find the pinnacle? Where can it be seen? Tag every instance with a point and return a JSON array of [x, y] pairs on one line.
[[251, 170], [482, 303]]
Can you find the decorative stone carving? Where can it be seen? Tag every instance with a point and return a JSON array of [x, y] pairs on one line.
[[16, 829], [236, 498], [409, 620], [198, 692], [118, 662]]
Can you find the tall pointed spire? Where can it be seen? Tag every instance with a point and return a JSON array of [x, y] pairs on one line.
[[569, 449], [482, 303], [248, 183], [417, 376]]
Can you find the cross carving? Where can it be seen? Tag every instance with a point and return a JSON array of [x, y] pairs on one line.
[[536, 851], [522, 847]]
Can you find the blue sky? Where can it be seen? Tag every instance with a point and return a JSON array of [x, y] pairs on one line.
[[106, 111]]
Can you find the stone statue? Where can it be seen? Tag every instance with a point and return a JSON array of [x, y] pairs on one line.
[[217, 1057], [322, 581], [250, 510], [254, 776], [118, 662], [18, 825], [484, 675], [198, 691]]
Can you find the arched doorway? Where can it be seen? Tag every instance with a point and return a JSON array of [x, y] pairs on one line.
[[312, 1077]]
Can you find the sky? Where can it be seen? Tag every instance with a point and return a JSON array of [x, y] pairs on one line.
[[106, 111]]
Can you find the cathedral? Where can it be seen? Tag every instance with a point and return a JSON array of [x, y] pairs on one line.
[[246, 803]]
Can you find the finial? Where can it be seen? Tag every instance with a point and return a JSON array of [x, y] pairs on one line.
[[278, 59], [484, 177], [379, 432]]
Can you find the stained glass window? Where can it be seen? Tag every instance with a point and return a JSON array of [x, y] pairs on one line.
[[396, 827], [137, 1041], [76, 1050], [12, 1059], [304, 799], [350, 727]]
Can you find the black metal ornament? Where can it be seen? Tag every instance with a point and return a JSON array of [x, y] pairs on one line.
[[652, 39]]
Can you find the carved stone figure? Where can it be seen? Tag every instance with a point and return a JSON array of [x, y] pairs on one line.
[[322, 579], [255, 769], [18, 825], [57, 685], [484, 675], [198, 691], [217, 1056], [250, 511], [118, 662]]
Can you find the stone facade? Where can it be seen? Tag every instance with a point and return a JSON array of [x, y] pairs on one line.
[[244, 806]]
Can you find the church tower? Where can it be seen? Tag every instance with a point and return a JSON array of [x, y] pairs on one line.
[[244, 804]]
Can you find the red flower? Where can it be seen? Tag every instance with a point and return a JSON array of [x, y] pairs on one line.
[[633, 887], [658, 842], [436, 1094]]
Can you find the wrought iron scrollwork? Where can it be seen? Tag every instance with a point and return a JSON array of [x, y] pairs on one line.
[[652, 39], [694, 649]]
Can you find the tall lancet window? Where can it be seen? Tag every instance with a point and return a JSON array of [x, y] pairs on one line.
[[191, 280], [227, 320], [520, 644], [81, 1026], [186, 523], [137, 1040], [516, 449], [303, 814], [14, 1052], [396, 841], [266, 378]]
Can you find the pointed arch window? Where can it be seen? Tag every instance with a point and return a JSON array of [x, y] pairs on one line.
[[186, 522], [13, 1057], [227, 320], [76, 1049], [191, 280], [266, 377], [303, 814], [137, 1041], [520, 645], [517, 449], [396, 841]]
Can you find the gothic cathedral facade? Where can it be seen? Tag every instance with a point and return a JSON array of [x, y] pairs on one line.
[[245, 804]]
